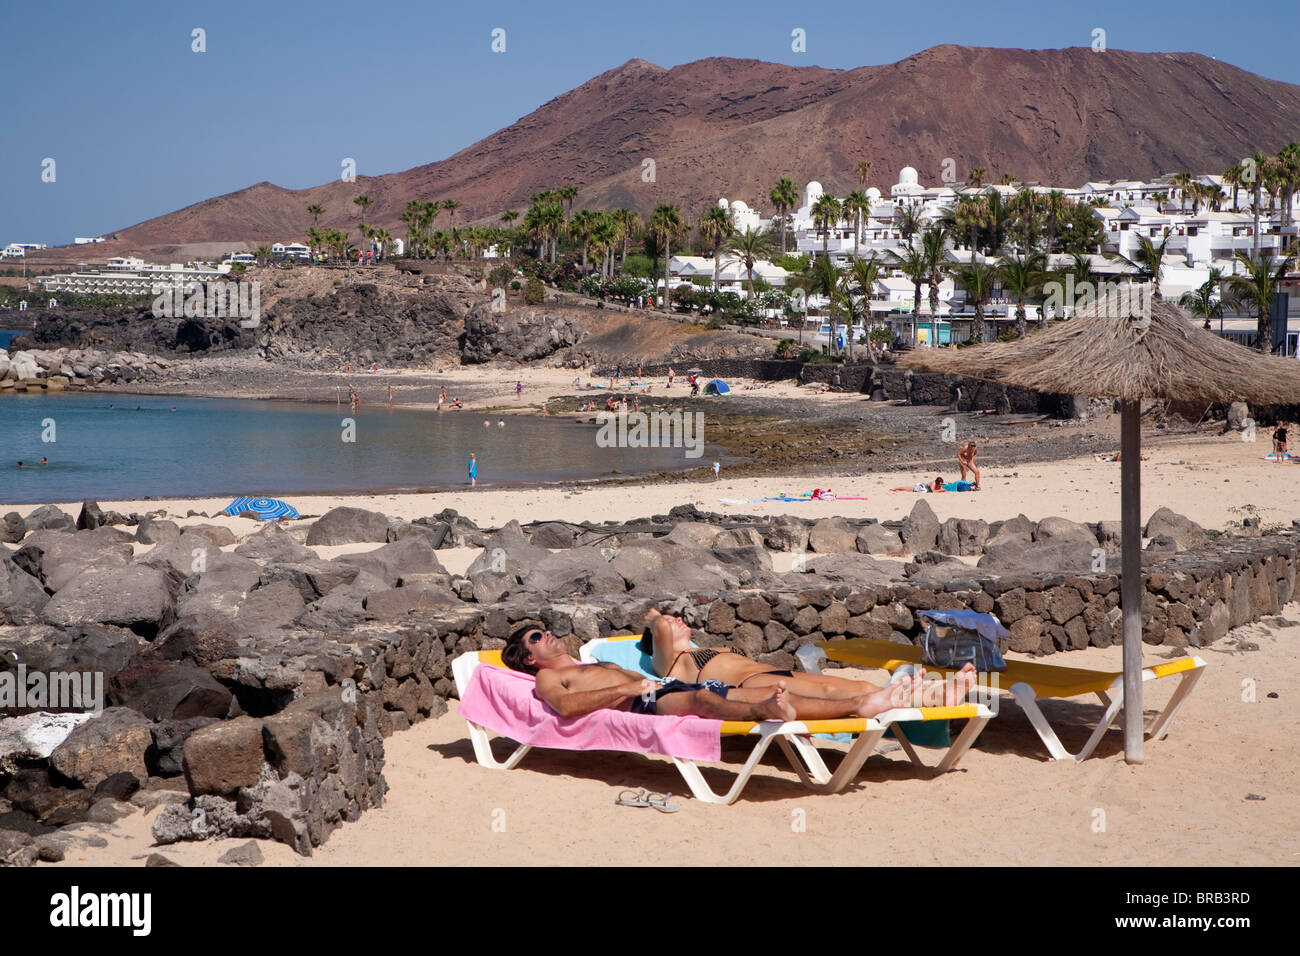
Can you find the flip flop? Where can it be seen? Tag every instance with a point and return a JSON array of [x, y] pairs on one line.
[[639, 798], [660, 802]]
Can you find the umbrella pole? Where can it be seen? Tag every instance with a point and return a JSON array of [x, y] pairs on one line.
[[1131, 574]]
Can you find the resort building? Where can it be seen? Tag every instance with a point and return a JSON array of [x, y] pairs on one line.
[[126, 275]]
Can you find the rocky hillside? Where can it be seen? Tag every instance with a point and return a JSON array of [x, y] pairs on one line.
[[733, 127]]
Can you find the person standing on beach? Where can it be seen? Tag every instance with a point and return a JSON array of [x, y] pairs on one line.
[[390, 395], [717, 467], [670, 376], [1279, 441], [473, 470], [966, 459], [519, 390]]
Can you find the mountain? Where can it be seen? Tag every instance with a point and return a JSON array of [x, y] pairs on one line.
[[733, 127]]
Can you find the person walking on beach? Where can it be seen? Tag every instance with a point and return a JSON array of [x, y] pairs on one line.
[[473, 470]]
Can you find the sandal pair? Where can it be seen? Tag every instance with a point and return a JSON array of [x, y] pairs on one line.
[[642, 798]]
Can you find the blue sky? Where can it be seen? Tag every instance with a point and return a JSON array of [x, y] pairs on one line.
[[139, 125]]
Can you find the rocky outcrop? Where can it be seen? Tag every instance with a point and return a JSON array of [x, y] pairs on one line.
[[519, 334]]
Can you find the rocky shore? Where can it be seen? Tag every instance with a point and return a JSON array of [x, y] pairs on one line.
[[249, 683]]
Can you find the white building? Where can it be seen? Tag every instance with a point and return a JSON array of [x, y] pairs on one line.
[[125, 275]]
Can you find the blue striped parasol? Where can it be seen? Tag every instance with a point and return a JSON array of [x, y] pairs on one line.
[[268, 509]]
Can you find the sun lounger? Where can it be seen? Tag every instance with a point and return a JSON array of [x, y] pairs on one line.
[[1028, 682], [791, 737]]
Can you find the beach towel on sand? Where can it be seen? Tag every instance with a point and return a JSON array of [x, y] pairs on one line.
[[503, 701]]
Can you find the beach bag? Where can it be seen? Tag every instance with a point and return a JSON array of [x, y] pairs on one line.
[[952, 645]]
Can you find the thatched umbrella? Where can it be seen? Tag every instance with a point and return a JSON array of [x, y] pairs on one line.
[[1131, 350]]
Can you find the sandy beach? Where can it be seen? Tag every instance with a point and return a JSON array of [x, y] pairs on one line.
[[1007, 803], [1195, 802]]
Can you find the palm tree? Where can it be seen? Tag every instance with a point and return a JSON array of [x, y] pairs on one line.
[[1288, 160], [716, 227], [1201, 301], [1183, 183], [863, 170], [315, 210], [263, 253], [912, 264], [977, 177], [1026, 207], [1257, 287], [747, 248], [1008, 179], [857, 204], [784, 196], [666, 224], [627, 222], [1148, 260], [1021, 275], [580, 227], [864, 274], [362, 202], [451, 206], [977, 279], [825, 214], [315, 238], [908, 220], [567, 194], [1261, 163], [824, 279], [509, 216], [604, 237], [968, 214], [1056, 206], [1232, 177], [934, 242]]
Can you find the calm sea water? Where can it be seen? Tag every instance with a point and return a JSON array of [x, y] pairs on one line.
[[216, 447], [6, 336]]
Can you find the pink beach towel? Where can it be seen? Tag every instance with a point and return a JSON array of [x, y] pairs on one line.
[[503, 701]]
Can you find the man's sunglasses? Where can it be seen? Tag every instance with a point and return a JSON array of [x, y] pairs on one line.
[[534, 636]]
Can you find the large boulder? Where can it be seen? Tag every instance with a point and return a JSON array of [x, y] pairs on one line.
[[57, 557], [271, 544], [831, 536], [348, 526], [221, 758], [187, 554], [963, 536], [920, 530], [313, 578], [875, 538], [507, 552], [136, 597], [1062, 530], [1060, 556], [1185, 532], [51, 517], [114, 742], [787, 533], [168, 690], [853, 568], [394, 603], [21, 596], [214, 533], [413, 554], [521, 335], [572, 573], [13, 528], [156, 531]]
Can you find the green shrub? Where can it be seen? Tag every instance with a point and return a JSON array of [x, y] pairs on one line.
[[500, 276], [783, 348], [534, 291], [639, 266]]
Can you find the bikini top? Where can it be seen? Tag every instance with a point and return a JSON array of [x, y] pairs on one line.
[[701, 656]]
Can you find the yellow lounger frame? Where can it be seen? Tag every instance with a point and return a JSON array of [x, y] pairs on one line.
[[1028, 681]]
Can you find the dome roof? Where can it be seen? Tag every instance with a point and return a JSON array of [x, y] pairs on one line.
[[722, 203], [907, 176], [873, 193], [739, 206]]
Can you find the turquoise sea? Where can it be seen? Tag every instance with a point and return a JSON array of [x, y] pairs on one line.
[[141, 448]]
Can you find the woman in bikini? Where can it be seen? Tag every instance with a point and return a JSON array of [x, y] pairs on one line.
[[668, 639]]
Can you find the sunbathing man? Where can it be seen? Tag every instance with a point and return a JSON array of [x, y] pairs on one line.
[[668, 640], [572, 689], [966, 459]]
